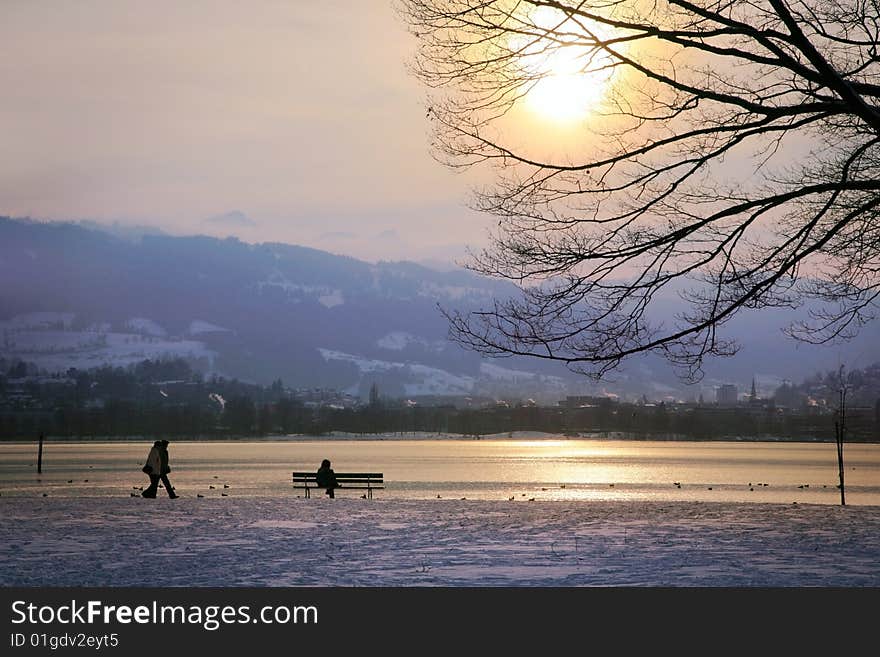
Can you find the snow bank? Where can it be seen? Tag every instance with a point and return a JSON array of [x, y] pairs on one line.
[[353, 542]]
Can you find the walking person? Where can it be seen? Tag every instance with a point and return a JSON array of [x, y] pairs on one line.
[[157, 468], [326, 478]]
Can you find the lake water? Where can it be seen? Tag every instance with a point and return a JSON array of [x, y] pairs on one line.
[[546, 469]]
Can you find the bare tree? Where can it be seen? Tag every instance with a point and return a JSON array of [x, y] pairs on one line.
[[734, 161]]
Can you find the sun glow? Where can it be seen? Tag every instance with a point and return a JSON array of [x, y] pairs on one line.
[[571, 76]]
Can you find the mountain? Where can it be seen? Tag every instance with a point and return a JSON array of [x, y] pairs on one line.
[[77, 296]]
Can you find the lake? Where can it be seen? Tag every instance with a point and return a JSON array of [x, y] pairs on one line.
[[496, 469]]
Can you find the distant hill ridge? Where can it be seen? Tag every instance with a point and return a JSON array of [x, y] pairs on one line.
[[259, 312]]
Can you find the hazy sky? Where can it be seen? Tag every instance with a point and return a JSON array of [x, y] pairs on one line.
[[299, 115]]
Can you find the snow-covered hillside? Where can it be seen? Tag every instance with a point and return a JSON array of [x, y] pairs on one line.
[[77, 297]]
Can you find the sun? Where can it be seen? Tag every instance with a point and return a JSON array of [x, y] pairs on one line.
[[569, 80], [565, 93]]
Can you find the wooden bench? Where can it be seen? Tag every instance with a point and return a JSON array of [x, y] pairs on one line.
[[368, 481]]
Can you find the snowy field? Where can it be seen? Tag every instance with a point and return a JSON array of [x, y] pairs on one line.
[[398, 543]]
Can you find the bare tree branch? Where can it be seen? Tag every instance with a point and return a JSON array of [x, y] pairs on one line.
[[734, 162]]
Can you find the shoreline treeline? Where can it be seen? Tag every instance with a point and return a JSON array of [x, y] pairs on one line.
[[170, 398]]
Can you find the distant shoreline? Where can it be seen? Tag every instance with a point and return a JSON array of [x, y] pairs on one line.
[[427, 436]]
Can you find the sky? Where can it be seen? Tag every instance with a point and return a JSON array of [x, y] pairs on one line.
[[270, 120]]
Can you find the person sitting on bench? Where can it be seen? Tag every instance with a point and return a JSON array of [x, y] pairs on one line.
[[326, 478]]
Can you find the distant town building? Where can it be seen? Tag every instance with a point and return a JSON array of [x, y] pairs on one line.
[[586, 401], [727, 395], [753, 394]]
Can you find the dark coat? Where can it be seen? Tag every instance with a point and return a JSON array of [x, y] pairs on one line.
[[163, 459], [326, 478]]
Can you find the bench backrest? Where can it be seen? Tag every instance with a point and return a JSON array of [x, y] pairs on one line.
[[342, 477]]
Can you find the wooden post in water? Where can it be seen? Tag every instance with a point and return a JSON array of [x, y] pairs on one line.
[[839, 430], [40, 455], [839, 433]]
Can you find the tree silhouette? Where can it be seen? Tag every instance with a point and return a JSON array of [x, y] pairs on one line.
[[733, 161]]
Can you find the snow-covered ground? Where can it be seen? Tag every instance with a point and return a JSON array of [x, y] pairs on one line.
[[56, 351], [354, 542]]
